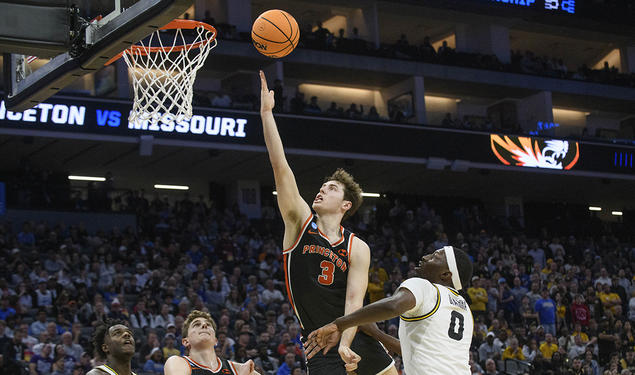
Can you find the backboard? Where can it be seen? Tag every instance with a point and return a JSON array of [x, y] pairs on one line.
[[56, 29]]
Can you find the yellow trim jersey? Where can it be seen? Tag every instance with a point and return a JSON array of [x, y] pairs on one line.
[[436, 334], [108, 370]]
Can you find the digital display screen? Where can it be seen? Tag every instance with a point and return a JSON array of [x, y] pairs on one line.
[[535, 152], [242, 130], [566, 6]]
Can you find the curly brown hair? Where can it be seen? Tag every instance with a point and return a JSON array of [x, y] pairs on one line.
[[352, 190], [193, 315]]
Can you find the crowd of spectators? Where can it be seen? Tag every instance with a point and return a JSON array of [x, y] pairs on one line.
[[297, 105], [321, 38], [527, 62], [548, 302], [300, 106]]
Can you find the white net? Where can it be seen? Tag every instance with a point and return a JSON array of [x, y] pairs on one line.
[[163, 70]]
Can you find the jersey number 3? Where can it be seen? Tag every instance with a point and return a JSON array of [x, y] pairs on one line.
[[456, 319], [326, 277]]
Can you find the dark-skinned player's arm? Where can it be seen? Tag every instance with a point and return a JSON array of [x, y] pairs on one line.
[[329, 335], [293, 208], [391, 343]]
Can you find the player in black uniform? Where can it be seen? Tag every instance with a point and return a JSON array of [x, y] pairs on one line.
[[326, 266], [113, 342], [199, 337]]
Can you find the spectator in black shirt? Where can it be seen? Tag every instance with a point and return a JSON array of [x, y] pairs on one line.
[[297, 104], [606, 341], [444, 52], [427, 50], [278, 95], [333, 110], [313, 106], [323, 36], [372, 114], [353, 112], [265, 361], [14, 348]]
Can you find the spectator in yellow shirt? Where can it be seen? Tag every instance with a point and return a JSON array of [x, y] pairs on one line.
[[478, 295], [548, 347], [375, 288], [610, 300], [169, 349], [513, 351], [379, 270], [577, 331]]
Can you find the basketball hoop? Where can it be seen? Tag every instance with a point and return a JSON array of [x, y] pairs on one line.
[[163, 74]]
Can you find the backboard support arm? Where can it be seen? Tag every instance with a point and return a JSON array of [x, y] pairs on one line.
[[124, 29]]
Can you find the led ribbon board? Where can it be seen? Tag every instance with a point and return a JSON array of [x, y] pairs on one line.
[[567, 6]]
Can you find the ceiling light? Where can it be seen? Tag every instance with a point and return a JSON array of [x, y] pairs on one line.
[[369, 195], [616, 213], [171, 187], [594, 208], [86, 178]]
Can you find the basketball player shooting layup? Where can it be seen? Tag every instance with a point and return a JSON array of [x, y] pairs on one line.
[[436, 324], [326, 266]]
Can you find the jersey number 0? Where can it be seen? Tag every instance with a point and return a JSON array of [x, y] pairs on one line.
[[456, 326]]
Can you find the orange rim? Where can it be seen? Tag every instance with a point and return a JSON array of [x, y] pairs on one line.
[[175, 24]]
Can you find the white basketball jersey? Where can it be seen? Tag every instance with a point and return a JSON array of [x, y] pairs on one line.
[[108, 370], [436, 334]]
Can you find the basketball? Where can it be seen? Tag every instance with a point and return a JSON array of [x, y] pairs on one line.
[[275, 33]]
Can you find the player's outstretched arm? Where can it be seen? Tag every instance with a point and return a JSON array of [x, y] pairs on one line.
[[391, 343], [292, 207], [328, 336]]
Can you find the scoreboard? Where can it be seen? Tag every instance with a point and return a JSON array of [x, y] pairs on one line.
[[567, 6]]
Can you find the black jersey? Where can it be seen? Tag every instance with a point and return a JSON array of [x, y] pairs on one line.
[[316, 274], [224, 367]]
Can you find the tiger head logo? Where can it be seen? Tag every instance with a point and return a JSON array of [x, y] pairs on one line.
[[535, 152]]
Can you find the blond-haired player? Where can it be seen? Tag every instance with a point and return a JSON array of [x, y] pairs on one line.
[[199, 337]]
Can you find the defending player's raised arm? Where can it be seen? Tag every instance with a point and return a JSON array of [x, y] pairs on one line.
[[292, 207]]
